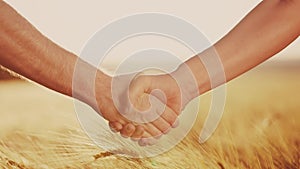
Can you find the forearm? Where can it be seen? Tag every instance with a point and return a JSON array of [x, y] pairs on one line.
[[26, 51], [265, 31]]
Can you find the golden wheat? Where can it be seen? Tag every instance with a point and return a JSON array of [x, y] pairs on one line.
[[259, 129]]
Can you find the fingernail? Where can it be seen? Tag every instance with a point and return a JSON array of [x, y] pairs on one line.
[[128, 127], [143, 142]]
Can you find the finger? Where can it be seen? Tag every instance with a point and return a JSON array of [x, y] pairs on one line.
[[175, 124], [142, 142], [154, 121], [161, 125], [138, 133], [147, 139], [151, 141], [127, 130], [115, 126], [152, 130], [169, 116]]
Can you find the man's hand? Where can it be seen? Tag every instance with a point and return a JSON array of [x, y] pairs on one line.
[[133, 109], [173, 90]]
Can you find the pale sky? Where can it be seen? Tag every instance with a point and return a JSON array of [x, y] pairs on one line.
[[71, 23]]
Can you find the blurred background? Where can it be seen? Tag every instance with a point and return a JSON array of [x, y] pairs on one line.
[[71, 23], [259, 129]]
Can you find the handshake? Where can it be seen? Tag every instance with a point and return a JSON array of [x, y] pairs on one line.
[[143, 107]]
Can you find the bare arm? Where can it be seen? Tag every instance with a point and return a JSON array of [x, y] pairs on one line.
[[265, 31], [26, 51]]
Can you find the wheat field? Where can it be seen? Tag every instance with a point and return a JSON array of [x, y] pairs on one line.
[[260, 129]]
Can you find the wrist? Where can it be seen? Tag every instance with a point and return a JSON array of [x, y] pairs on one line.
[[186, 82], [102, 90], [205, 69], [90, 84]]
